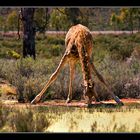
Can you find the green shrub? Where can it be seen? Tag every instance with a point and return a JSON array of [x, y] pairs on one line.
[[118, 47], [118, 75], [30, 76], [13, 54], [121, 50], [56, 50], [27, 75], [136, 52], [55, 40], [7, 45], [40, 37], [11, 43]]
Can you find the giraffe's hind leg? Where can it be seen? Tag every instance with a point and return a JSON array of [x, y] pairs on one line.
[[72, 72], [51, 79]]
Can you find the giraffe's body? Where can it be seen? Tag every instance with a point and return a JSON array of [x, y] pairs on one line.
[[79, 46]]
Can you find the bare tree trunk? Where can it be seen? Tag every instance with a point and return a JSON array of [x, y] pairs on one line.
[[131, 22], [138, 24], [28, 32]]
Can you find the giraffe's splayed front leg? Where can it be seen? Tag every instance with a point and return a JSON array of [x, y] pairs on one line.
[[51, 79], [68, 100], [101, 79], [36, 99]]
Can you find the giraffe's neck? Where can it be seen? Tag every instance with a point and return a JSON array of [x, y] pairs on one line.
[[86, 68]]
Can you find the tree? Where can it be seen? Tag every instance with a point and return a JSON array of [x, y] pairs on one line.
[[63, 18], [84, 16], [73, 15], [32, 21], [136, 12], [27, 16], [128, 17], [41, 19], [58, 19], [1, 23], [11, 21], [115, 21]]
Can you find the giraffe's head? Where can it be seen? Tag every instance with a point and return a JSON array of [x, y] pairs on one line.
[[88, 91]]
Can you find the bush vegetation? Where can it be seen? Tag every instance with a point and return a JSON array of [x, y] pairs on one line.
[[110, 57]]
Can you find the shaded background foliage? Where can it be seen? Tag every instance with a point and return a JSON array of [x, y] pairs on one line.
[[63, 18]]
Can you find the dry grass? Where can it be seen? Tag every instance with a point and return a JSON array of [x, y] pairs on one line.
[[70, 119], [96, 121]]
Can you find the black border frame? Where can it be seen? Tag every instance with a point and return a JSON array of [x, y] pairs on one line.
[[69, 3], [72, 3], [70, 136]]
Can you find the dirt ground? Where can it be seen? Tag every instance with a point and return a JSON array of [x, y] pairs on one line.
[[74, 103]]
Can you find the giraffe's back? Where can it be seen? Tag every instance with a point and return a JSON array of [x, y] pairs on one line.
[[78, 35]]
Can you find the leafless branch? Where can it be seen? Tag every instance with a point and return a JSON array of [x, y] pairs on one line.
[[19, 18], [60, 11]]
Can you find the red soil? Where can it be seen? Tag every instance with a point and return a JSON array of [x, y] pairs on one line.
[[74, 103]]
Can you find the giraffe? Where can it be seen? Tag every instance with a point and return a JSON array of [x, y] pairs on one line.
[[78, 42]]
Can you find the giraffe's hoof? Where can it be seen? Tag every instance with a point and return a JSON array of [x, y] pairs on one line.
[[36, 99], [97, 100], [33, 102], [89, 105], [68, 101], [120, 103]]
